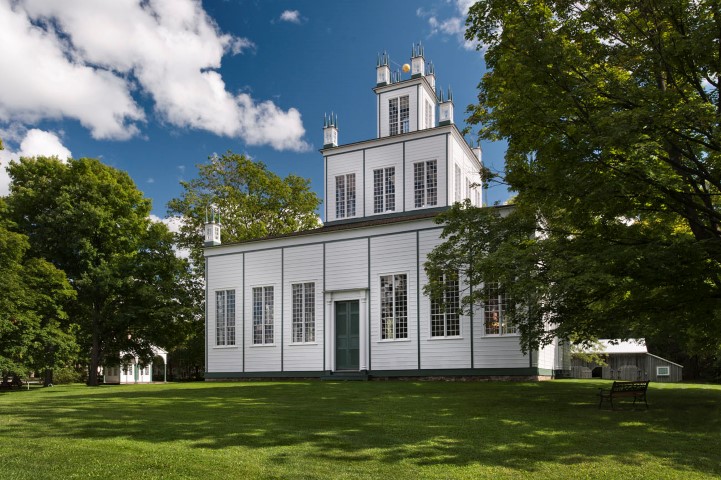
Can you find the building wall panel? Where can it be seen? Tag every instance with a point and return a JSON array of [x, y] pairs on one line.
[[343, 164], [423, 150], [346, 264], [263, 268], [393, 254], [378, 158], [225, 273], [303, 265], [439, 352]]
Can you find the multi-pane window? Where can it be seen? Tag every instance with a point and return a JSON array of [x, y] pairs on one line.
[[262, 315], [394, 306], [458, 183], [398, 115], [384, 190], [345, 195], [225, 317], [494, 311], [445, 311], [425, 183], [303, 312], [429, 114], [468, 188]]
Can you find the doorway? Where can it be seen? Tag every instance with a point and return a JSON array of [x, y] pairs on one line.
[[347, 338]]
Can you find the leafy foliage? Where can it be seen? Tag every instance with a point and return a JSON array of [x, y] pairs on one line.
[[90, 221], [35, 333], [253, 202], [611, 114]]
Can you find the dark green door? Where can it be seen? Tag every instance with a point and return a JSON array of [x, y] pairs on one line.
[[347, 342]]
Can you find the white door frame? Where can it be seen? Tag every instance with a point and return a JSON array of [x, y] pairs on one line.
[[330, 298]]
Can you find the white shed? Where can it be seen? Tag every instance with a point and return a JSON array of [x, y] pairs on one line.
[[131, 370]]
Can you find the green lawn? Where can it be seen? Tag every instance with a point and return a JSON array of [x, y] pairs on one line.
[[389, 430]]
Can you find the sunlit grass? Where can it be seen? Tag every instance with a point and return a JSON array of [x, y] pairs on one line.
[[309, 429]]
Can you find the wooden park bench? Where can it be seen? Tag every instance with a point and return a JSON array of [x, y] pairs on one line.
[[635, 390]]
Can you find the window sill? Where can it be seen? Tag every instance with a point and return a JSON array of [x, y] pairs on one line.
[[501, 335], [225, 347], [394, 340], [261, 345], [437, 339], [300, 344]]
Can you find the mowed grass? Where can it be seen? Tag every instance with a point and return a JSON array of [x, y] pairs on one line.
[[389, 430]]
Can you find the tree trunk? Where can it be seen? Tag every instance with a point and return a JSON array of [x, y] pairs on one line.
[[48, 380], [50, 361], [94, 352]]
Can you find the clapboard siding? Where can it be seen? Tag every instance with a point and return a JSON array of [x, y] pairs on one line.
[[302, 265], [395, 254], [412, 106], [469, 168], [263, 269], [498, 352], [347, 265], [344, 164], [382, 157], [422, 150], [547, 357], [437, 353], [427, 97], [225, 273]]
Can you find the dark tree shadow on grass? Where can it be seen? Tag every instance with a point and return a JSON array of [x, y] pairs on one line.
[[512, 425]]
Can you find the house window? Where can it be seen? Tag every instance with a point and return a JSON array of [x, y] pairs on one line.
[[303, 312], [398, 115], [384, 190], [345, 195], [445, 319], [394, 306], [663, 371], [429, 115], [128, 369], [262, 315], [458, 183], [425, 183], [494, 311], [225, 317]]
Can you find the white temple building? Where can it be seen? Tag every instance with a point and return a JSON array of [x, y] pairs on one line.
[[346, 300]]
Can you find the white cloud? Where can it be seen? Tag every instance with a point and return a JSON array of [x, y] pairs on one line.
[[39, 81], [35, 143], [453, 26], [292, 16], [86, 60], [464, 5]]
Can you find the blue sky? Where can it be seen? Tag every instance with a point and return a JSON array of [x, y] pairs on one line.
[[154, 89]]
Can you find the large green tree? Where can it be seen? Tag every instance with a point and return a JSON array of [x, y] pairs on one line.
[[91, 221], [253, 202], [611, 114], [35, 333]]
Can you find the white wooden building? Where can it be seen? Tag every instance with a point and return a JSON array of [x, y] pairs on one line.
[[347, 298], [130, 369]]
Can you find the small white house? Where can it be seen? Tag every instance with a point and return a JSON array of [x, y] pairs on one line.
[[131, 370], [347, 298]]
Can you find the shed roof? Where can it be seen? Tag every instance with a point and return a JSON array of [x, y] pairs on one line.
[[610, 346]]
